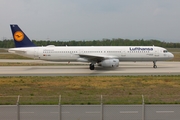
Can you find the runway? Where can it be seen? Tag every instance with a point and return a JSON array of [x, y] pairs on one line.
[[90, 112], [124, 69]]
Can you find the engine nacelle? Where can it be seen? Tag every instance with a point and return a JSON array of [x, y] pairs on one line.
[[109, 63]]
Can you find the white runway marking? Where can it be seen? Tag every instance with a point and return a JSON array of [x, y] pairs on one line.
[[58, 112], [164, 111], [128, 112]]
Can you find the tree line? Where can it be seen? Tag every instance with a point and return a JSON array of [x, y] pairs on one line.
[[103, 42]]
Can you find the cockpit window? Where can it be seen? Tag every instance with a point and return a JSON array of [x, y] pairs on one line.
[[165, 51]]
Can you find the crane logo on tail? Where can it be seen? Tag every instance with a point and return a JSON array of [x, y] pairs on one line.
[[18, 36]]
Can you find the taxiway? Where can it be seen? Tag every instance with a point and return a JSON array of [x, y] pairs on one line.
[[124, 69]]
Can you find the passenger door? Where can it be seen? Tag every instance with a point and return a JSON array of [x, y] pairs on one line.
[[156, 52], [36, 54]]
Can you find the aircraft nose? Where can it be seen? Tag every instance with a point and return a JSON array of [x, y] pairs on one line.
[[171, 55]]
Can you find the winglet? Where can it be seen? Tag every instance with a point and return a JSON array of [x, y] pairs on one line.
[[20, 38]]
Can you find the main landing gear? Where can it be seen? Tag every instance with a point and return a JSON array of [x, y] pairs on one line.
[[154, 64], [91, 66]]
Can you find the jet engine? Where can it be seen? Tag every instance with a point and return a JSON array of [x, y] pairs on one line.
[[109, 63]]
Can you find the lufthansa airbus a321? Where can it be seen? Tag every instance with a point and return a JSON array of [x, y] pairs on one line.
[[104, 56]]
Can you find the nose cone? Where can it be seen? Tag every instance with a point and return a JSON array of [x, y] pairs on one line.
[[171, 55]]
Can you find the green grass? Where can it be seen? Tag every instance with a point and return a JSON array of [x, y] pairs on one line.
[[3, 50], [173, 49], [176, 56], [87, 90], [12, 56]]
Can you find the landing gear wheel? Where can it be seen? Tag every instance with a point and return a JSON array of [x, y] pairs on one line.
[[91, 66], [154, 66]]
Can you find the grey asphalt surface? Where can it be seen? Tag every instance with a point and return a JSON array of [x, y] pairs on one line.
[[125, 68], [91, 112]]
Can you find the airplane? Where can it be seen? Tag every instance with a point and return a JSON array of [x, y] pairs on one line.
[[104, 56]]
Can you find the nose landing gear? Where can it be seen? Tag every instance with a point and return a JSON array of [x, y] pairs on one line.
[[154, 64]]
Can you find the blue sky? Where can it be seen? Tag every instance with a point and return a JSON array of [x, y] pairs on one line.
[[92, 19]]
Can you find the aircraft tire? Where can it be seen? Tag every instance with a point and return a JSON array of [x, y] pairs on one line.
[[155, 66], [91, 67]]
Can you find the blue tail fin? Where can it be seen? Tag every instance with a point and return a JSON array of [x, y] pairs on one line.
[[20, 38]]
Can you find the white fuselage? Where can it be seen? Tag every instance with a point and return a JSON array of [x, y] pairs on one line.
[[73, 53]]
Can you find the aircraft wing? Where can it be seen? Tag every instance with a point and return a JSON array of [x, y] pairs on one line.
[[95, 58]]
